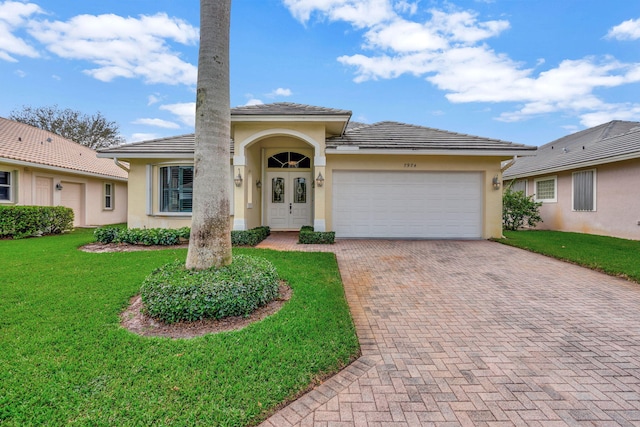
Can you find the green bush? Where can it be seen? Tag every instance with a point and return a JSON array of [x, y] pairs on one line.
[[249, 237], [26, 221], [518, 209], [172, 293], [308, 236], [141, 236], [170, 236]]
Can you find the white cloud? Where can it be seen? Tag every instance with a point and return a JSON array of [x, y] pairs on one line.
[[280, 92], [122, 47], [13, 16], [254, 101], [136, 137], [153, 99], [451, 51], [157, 123], [628, 30], [360, 13], [20, 73], [185, 112]]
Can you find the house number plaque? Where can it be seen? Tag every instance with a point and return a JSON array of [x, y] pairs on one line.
[[410, 165]]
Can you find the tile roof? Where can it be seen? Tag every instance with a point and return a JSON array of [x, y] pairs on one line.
[[25, 143], [608, 142], [287, 109], [395, 135], [181, 146]]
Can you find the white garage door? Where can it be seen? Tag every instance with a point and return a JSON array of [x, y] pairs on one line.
[[407, 205]]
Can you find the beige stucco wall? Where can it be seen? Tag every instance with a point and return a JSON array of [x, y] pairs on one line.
[[617, 203], [489, 166], [92, 192]]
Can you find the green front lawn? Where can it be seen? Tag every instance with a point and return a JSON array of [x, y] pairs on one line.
[[65, 359], [611, 255]]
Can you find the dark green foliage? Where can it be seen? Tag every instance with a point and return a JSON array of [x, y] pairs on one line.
[[26, 221], [141, 236], [518, 210], [308, 236], [170, 236], [249, 237], [172, 293]]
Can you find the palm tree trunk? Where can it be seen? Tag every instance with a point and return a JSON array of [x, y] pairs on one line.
[[210, 241]]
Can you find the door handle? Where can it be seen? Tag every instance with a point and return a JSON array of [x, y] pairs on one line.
[[290, 207]]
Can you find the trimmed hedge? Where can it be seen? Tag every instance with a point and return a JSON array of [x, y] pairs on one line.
[[168, 236], [26, 221], [172, 293], [141, 236], [308, 236], [249, 237]]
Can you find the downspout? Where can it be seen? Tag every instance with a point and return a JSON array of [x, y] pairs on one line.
[[120, 165]]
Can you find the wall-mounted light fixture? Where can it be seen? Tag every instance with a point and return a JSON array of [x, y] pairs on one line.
[[258, 184], [58, 186], [238, 179], [496, 182], [320, 180]]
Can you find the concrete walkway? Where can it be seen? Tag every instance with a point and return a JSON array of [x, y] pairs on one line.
[[476, 334]]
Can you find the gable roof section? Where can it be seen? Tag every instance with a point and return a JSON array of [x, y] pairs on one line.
[[27, 145], [606, 143], [173, 147], [286, 109], [394, 136]]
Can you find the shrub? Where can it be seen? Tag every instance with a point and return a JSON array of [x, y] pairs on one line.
[[172, 293], [308, 236], [25, 221], [518, 209], [170, 236], [249, 237]]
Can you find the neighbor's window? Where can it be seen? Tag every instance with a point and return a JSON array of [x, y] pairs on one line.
[[584, 190], [108, 196], [519, 185], [546, 189], [176, 188], [5, 186]]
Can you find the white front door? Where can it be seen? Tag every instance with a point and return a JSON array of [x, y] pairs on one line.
[[288, 196]]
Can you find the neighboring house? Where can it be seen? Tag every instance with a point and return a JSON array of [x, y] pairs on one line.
[[301, 165], [41, 168], [588, 182]]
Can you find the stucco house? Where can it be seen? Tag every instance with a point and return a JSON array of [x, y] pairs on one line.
[[296, 165], [43, 169], [588, 182]]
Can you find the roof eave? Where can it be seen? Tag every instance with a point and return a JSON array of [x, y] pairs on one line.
[[144, 155], [290, 118], [579, 165], [438, 152], [61, 169]]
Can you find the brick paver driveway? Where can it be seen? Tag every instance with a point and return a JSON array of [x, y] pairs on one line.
[[476, 333]]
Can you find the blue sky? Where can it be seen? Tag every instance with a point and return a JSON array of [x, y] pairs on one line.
[[527, 71]]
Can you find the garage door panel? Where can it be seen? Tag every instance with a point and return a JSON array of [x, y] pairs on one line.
[[407, 204]]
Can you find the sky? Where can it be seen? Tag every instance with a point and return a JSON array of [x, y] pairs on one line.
[[525, 71]]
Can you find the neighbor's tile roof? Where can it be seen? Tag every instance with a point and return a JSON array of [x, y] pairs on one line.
[[605, 143], [395, 135], [29, 144], [287, 109]]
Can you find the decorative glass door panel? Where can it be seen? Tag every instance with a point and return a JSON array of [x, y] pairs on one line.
[[288, 204]]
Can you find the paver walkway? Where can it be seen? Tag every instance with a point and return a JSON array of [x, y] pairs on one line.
[[476, 333]]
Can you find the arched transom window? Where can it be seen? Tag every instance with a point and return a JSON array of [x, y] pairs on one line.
[[289, 159]]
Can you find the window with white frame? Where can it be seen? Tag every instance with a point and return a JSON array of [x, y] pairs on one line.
[[176, 188], [546, 189], [519, 185], [5, 186], [108, 191], [584, 191]]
